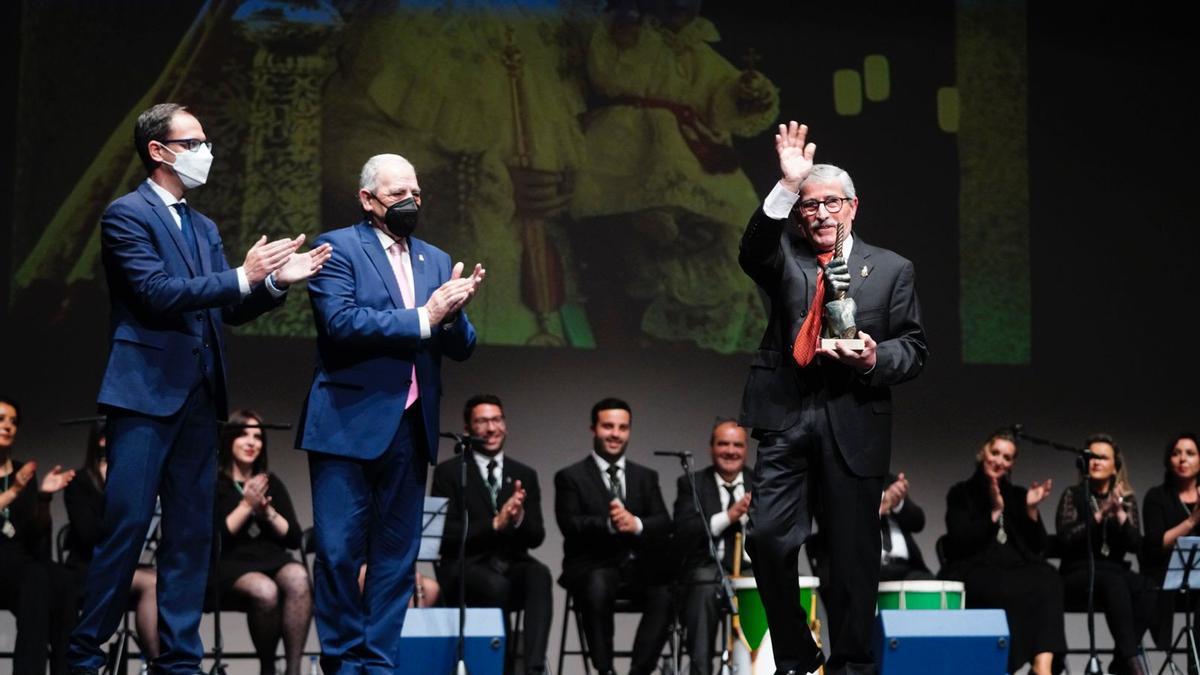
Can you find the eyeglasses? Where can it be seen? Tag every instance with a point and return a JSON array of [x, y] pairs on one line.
[[192, 144], [809, 207]]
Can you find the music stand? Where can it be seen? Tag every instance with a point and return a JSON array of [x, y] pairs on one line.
[[1185, 558], [433, 524]]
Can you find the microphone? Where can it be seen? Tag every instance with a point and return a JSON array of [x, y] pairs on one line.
[[666, 453], [465, 439], [1016, 429]]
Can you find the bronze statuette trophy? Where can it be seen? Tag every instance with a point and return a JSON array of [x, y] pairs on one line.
[[839, 328]]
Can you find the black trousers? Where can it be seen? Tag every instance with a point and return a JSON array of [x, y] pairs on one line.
[[43, 597], [801, 473], [1124, 597], [595, 597], [700, 614], [519, 584]]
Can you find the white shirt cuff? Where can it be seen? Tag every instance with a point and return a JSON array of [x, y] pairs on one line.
[[897, 507], [779, 203], [718, 523], [243, 281], [639, 529], [520, 519], [274, 290], [423, 317]]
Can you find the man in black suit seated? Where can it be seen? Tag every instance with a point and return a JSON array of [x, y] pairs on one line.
[[615, 529], [899, 519], [724, 490], [504, 509]]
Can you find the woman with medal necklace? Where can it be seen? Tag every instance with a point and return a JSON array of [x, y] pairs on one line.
[[995, 544], [1103, 501], [38, 591], [1170, 511], [256, 571]]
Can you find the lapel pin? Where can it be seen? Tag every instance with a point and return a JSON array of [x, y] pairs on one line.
[[421, 257], [865, 271]]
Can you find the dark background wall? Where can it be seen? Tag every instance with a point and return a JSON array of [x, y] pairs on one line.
[[1111, 102]]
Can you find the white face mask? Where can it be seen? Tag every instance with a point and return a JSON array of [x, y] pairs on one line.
[[192, 166]]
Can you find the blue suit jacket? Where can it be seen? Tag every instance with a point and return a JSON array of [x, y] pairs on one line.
[[367, 343], [160, 301]]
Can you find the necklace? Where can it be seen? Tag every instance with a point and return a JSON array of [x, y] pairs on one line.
[[1104, 550]]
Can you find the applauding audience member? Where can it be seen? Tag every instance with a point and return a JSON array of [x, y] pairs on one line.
[[996, 543], [258, 527], [38, 591]]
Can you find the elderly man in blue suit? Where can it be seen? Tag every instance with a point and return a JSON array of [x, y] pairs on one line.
[[388, 307], [170, 289]]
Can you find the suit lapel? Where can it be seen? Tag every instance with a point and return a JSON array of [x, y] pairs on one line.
[[202, 243], [710, 497], [860, 259], [166, 223], [600, 481], [804, 260], [378, 257]]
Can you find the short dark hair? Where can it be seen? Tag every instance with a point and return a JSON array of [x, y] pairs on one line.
[[477, 400], [610, 403], [4, 398], [154, 124], [1168, 476], [239, 421]]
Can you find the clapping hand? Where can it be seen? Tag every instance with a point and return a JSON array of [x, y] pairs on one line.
[[622, 520], [254, 493], [513, 509]]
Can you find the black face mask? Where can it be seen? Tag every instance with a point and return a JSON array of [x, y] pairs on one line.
[[401, 218]]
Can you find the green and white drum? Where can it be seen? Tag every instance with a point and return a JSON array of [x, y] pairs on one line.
[[921, 595], [753, 652]]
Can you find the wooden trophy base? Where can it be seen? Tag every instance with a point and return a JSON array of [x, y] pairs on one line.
[[853, 344]]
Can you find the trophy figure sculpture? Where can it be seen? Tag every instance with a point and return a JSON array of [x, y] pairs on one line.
[[839, 327]]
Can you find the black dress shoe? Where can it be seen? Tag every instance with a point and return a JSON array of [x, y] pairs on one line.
[[813, 666]]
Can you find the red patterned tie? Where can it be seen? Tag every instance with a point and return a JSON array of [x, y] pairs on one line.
[[806, 340]]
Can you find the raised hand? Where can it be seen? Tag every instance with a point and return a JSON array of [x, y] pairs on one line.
[[57, 479], [454, 294], [300, 266], [894, 494], [264, 258], [795, 154], [1037, 493]]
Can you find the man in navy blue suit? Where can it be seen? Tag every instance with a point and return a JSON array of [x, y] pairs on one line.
[[388, 307], [170, 289]]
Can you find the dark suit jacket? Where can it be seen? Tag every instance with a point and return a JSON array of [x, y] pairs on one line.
[[581, 508], [785, 268], [485, 544], [910, 520], [367, 343], [971, 534], [160, 301], [691, 542]]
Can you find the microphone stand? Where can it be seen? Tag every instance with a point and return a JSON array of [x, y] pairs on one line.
[[1081, 461], [725, 591], [462, 448]]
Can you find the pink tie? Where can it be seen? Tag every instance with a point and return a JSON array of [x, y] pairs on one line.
[[396, 253]]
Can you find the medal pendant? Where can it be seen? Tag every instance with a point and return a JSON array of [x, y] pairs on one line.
[[8, 530], [1001, 536], [254, 530]]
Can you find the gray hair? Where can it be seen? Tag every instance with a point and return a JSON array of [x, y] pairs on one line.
[[370, 170], [827, 173]]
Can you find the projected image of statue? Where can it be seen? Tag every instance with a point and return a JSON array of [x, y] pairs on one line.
[[661, 201], [486, 99]]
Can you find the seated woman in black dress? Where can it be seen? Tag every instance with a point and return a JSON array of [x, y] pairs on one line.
[[1170, 511], [84, 498], [1103, 502], [995, 545], [256, 571], [39, 591]]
